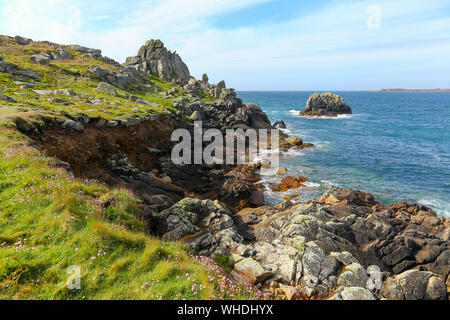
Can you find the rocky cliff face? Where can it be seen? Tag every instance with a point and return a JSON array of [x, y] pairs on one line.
[[325, 104], [154, 58]]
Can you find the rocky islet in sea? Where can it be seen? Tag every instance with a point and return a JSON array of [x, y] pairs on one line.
[[325, 105]]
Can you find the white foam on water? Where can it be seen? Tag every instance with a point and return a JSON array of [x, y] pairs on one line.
[[440, 208], [329, 183], [271, 171], [304, 169], [294, 112], [293, 153], [312, 184], [339, 117]]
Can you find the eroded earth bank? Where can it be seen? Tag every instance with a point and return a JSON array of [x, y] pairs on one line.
[[343, 245]]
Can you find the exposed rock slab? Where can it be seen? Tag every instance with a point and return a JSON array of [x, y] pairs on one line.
[[154, 58], [414, 285]]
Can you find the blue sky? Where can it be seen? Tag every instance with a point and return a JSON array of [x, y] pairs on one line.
[[260, 44]]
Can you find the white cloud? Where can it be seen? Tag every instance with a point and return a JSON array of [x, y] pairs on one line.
[[53, 20], [330, 48], [99, 18]]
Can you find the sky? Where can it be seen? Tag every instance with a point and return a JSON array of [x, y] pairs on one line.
[[260, 44]]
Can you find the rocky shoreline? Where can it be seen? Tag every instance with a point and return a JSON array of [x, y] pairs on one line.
[[342, 246]]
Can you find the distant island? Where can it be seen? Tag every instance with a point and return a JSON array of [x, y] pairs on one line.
[[410, 90]]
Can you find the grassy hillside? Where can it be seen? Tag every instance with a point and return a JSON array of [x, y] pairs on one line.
[[50, 221], [51, 78]]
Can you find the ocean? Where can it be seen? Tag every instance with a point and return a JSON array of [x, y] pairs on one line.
[[395, 146]]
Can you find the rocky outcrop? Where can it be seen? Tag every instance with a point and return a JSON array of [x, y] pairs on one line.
[[206, 226], [226, 112], [253, 115], [347, 246], [7, 67], [106, 88], [325, 104], [222, 114], [253, 270], [76, 47], [415, 285], [289, 183], [6, 98], [87, 53], [279, 125], [124, 77], [22, 41], [292, 142], [348, 196], [41, 58], [353, 294], [154, 58]]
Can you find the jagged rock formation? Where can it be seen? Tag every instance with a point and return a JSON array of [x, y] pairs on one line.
[[154, 58], [227, 112], [330, 247], [210, 222], [308, 243], [279, 125], [325, 104]]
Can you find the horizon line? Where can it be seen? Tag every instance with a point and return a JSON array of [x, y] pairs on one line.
[[400, 90]]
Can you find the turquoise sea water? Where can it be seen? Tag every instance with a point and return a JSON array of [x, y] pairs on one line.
[[395, 145]]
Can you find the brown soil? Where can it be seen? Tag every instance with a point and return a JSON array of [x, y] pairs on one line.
[[87, 152]]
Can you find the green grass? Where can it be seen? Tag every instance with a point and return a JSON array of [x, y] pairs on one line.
[[52, 78], [50, 222], [224, 262]]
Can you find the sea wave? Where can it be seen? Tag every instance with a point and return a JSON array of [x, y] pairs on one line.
[[442, 209], [387, 140], [293, 153], [330, 183], [339, 117], [303, 169], [310, 184]]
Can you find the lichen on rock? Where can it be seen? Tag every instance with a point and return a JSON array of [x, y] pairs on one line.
[[154, 58], [325, 105]]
